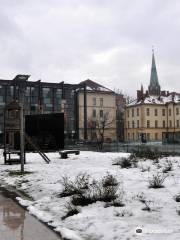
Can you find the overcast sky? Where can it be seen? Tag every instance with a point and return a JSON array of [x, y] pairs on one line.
[[108, 41]]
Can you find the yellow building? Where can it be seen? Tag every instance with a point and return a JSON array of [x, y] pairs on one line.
[[96, 109], [154, 115]]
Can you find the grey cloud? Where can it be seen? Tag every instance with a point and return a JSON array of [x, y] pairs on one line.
[[108, 41]]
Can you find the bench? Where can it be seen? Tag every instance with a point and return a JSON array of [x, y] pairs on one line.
[[64, 154], [8, 153]]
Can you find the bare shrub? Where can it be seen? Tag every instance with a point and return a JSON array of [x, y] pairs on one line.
[[115, 203], [77, 187], [68, 187], [82, 199], [71, 210], [106, 190], [146, 202], [178, 211], [109, 180], [82, 181], [124, 213], [126, 162], [108, 193], [168, 166], [177, 197], [157, 180]]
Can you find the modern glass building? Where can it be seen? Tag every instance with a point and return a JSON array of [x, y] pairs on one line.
[[41, 97]]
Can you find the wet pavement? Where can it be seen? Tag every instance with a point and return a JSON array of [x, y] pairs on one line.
[[17, 224]]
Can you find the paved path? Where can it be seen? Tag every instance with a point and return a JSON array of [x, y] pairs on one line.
[[17, 224]]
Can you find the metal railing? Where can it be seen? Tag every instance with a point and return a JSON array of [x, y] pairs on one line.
[[125, 147]]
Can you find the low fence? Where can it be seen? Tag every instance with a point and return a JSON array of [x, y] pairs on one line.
[[139, 147], [130, 147]]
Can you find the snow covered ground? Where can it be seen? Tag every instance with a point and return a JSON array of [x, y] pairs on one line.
[[95, 221]]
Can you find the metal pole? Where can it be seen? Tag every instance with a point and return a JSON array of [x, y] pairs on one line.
[[22, 138], [85, 113]]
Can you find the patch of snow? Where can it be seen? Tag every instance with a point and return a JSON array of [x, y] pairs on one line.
[[96, 221], [157, 100]]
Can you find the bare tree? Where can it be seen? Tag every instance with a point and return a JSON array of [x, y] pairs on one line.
[[127, 97], [98, 125]]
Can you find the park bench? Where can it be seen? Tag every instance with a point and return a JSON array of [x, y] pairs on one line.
[[12, 156], [64, 154]]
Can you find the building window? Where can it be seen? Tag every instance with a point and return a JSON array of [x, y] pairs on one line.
[[128, 113], [132, 124], [147, 111], [2, 95], [57, 99], [177, 111], [156, 123], [170, 123], [164, 124], [128, 136], [93, 124], [128, 124], [163, 112], [133, 112], [94, 101], [47, 99], [101, 102], [177, 123], [137, 111], [155, 112], [10, 94], [34, 95], [148, 136], [169, 112], [137, 123], [148, 123], [156, 136], [101, 113], [94, 113], [133, 136]]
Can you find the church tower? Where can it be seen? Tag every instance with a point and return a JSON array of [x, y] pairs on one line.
[[154, 87]]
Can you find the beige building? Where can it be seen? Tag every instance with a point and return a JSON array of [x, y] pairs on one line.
[[154, 115], [96, 106]]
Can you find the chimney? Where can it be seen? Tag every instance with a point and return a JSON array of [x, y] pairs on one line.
[[163, 93], [139, 95]]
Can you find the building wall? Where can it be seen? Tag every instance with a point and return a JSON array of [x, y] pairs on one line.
[[161, 118], [42, 97], [107, 105]]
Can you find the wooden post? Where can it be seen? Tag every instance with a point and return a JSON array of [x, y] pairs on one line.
[[85, 113], [22, 138]]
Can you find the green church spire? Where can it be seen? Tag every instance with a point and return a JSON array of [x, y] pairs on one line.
[[154, 87]]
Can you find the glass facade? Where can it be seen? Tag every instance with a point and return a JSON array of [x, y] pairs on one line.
[[69, 112], [9, 93], [57, 100], [42, 98], [34, 100], [2, 96], [47, 95]]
